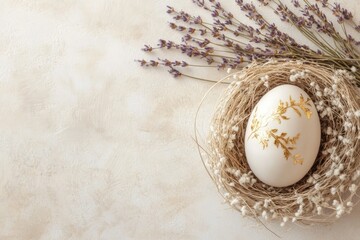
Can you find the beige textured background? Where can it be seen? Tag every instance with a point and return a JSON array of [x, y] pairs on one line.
[[94, 147]]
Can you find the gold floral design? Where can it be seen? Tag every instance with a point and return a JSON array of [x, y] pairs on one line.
[[302, 105], [282, 140]]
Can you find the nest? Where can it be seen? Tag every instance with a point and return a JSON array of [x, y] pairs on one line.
[[328, 191]]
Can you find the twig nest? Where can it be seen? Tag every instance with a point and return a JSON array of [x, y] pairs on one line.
[[329, 188]]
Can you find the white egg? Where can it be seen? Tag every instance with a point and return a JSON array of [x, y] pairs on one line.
[[282, 136]]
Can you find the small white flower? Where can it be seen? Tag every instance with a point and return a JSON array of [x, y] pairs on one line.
[[333, 190], [285, 219], [340, 209], [356, 175], [357, 113], [353, 188], [264, 78], [341, 166], [342, 177], [266, 84], [347, 125], [223, 159], [319, 107], [253, 181], [264, 215], [235, 128], [292, 78], [231, 145], [336, 79], [266, 203], [329, 173], [353, 69], [329, 131], [310, 180], [349, 114], [243, 210], [349, 204], [257, 206], [319, 210], [327, 91], [346, 141], [234, 201], [244, 179], [316, 199]]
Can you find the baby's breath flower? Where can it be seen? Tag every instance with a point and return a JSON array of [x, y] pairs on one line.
[[319, 210], [257, 205], [353, 188], [266, 203], [264, 214], [234, 201], [244, 210], [340, 210], [342, 177]]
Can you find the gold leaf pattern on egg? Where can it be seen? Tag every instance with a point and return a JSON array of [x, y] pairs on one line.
[[260, 132]]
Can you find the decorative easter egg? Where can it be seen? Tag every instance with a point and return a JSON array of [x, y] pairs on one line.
[[282, 136]]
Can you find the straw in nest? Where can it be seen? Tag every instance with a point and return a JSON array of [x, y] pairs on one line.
[[329, 189]]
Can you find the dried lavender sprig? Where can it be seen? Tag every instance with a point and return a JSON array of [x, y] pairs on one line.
[[229, 43], [277, 44]]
